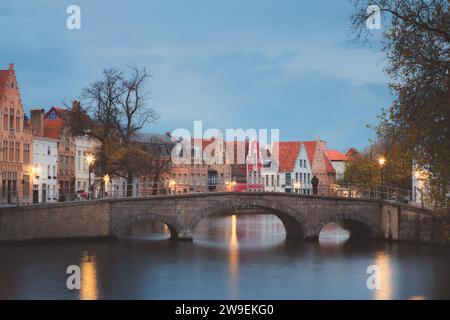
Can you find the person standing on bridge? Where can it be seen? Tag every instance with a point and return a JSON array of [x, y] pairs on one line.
[[315, 184]]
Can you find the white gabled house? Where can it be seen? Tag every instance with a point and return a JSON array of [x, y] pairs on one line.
[[293, 171]]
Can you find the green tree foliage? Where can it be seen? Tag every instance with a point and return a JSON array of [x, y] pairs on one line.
[[416, 38]]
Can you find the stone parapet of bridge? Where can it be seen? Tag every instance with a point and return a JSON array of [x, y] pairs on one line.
[[303, 216]]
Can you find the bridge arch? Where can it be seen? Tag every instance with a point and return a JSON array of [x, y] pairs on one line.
[[357, 225], [294, 223], [174, 227]]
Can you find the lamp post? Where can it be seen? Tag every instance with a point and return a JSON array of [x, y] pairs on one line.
[[172, 185], [297, 186], [106, 181], [233, 185], [90, 160], [382, 161]]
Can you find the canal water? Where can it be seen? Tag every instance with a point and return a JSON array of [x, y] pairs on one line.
[[231, 257]]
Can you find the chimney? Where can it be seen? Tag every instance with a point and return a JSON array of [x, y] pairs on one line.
[[37, 121], [76, 105], [11, 66]]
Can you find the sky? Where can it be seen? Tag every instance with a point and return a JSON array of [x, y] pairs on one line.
[[272, 64]]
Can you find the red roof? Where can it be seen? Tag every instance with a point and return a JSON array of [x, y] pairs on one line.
[[287, 154], [335, 155], [52, 128], [59, 111], [328, 166], [310, 147], [351, 152]]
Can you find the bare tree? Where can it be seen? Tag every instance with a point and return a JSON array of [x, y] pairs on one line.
[[115, 110]]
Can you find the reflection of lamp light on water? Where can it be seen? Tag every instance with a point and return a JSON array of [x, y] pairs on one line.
[[89, 281], [382, 260], [234, 256]]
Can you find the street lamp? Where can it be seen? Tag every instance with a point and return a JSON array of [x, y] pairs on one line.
[[297, 186], [90, 159], [233, 185], [106, 181], [172, 185], [382, 161]]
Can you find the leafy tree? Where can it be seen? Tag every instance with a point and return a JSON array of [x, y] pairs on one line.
[[416, 40]]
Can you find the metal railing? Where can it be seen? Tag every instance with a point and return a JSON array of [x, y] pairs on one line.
[[15, 198]]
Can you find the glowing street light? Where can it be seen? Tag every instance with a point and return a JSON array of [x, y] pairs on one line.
[[297, 186], [382, 161], [35, 171], [90, 159]]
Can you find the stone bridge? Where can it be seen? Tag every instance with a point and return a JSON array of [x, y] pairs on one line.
[[303, 216]]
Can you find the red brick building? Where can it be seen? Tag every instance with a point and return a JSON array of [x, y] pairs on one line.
[[15, 142], [54, 128]]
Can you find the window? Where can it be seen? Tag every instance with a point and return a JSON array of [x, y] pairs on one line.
[[18, 123], [48, 171], [5, 151], [278, 180], [301, 163], [26, 153], [271, 180], [71, 164], [309, 178], [17, 152], [26, 185], [11, 151], [49, 152], [11, 118], [304, 163], [296, 176], [267, 180], [84, 161], [5, 120], [78, 160], [52, 116], [288, 179], [66, 164], [54, 171]]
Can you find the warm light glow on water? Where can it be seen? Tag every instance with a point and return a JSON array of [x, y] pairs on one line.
[[239, 256], [89, 281], [234, 257], [382, 260], [333, 234]]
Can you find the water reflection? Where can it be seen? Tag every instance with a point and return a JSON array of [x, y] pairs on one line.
[[382, 260], [89, 281], [234, 257], [333, 234], [237, 256]]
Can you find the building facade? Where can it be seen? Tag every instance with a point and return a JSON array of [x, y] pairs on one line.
[[15, 142], [45, 159], [293, 171], [54, 128], [84, 147], [321, 166], [338, 161]]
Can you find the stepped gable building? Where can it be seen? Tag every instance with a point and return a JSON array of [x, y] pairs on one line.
[[16, 142], [321, 166]]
